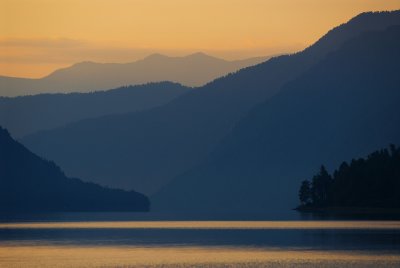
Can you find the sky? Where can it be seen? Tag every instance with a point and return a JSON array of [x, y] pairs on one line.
[[39, 36]]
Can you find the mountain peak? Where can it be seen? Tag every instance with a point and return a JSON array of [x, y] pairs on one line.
[[196, 55], [200, 55], [365, 16], [155, 56], [83, 63], [364, 22], [4, 132]]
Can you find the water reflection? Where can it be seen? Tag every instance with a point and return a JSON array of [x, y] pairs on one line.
[[286, 215], [200, 243], [65, 256], [354, 235]]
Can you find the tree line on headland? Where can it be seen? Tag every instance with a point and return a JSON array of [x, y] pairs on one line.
[[373, 182]]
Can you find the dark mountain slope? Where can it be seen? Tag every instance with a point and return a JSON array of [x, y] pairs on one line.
[[29, 183], [145, 150], [28, 114], [345, 106]]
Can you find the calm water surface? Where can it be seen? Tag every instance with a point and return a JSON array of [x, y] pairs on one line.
[[97, 242]]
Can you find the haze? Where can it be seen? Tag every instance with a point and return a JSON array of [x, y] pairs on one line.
[[38, 36]]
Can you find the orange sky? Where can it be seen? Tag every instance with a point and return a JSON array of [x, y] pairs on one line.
[[37, 36]]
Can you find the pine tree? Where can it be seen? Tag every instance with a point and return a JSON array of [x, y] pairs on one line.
[[305, 192]]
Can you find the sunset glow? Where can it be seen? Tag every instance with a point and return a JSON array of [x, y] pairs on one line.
[[37, 36]]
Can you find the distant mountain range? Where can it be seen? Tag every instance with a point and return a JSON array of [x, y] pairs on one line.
[[344, 106], [148, 149], [27, 114], [192, 70], [30, 184]]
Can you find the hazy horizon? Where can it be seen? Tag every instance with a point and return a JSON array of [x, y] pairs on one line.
[[126, 31], [147, 56]]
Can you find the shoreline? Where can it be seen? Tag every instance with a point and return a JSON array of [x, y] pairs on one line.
[[348, 210]]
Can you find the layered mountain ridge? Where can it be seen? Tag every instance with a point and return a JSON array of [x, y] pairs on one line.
[[147, 150], [192, 70], [345, 106], [32, 184]]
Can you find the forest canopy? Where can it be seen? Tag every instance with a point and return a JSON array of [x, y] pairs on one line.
[[373, 182]]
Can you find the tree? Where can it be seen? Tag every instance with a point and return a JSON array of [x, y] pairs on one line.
[[321, 186], [305, 192], [372, 182]]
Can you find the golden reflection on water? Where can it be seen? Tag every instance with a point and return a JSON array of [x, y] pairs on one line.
[[208, 225], [31, 253], [89, 256]]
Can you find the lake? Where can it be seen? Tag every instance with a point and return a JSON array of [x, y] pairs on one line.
[[93, 240]]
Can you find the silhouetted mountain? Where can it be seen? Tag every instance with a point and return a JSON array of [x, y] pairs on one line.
[[29, 183], [345, 106], [193, 70], [146, 150], [28, 114], [373, 182]]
